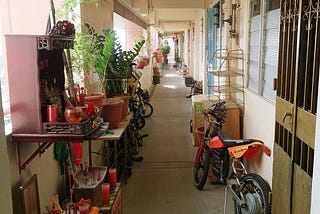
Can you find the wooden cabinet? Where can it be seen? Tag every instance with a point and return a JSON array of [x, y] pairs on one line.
[[232, 125]]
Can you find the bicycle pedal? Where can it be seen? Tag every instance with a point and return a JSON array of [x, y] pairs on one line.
[[129, 171]]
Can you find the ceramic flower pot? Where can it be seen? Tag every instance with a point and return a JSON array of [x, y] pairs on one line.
[[112, 111]]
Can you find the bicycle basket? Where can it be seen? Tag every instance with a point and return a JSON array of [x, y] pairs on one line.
[[145, 95]]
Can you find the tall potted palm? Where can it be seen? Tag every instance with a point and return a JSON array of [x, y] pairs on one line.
[[113, 65]]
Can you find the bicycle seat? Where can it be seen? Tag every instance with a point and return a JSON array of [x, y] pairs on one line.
[[228, 142]]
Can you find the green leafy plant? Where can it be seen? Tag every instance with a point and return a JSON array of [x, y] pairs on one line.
[[166, 49], [120, 60], [68, 7], [111, 62]]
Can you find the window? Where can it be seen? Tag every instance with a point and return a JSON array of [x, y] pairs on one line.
[[216, 38], [263, 46]]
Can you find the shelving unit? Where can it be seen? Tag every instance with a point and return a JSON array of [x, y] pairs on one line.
[[228, 76]]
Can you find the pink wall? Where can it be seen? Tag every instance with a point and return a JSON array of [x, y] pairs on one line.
[[25, 17]]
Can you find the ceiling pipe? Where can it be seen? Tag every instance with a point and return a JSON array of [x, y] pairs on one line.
[[232, 20]]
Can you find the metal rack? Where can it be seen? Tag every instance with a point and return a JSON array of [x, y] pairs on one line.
[[228, 76]]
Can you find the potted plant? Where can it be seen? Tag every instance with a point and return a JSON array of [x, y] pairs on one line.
[[113, 65], [84, 70], [165, 51]]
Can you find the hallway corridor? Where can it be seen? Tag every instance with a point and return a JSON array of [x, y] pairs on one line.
[[162, 183]]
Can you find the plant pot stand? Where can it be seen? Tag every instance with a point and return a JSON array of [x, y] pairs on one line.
[[156, 80]]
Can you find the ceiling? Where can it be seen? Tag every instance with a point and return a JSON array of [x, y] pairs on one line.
[[168, 15]]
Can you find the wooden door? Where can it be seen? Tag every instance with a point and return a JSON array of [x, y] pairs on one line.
[[296, 104]]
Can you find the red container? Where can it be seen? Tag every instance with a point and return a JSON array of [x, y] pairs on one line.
[[105, 191], [112, 178], [52, 113]]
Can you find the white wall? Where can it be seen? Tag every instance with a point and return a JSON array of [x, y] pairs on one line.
[[259, 114], [198, 59], [259, 123]]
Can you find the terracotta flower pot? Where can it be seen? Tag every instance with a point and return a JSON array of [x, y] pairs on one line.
[[146, 60], [141, 64], [159, 58], [200, 134], [125, 106], [112, 111], [96, 99]]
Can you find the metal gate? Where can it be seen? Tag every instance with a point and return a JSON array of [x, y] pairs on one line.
[[296, 104]]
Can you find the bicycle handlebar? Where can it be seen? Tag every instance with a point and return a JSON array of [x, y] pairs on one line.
[[218, 111]]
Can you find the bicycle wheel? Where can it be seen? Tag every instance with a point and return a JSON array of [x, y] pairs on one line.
[[201, 167], [132, 144], [141, 122], [147, 110], [257, 195]]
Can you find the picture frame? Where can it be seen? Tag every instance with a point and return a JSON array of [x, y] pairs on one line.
[[30, 196]]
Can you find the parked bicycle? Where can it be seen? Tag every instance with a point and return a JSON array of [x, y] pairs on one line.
[[143, 97], [195, 88], [137, 114], [250, 192], [134, 141]]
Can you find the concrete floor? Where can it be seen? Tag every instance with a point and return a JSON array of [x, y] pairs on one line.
[[163, 183]]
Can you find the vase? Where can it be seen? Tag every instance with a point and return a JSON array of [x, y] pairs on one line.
[[112, 111], [96, 99]]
